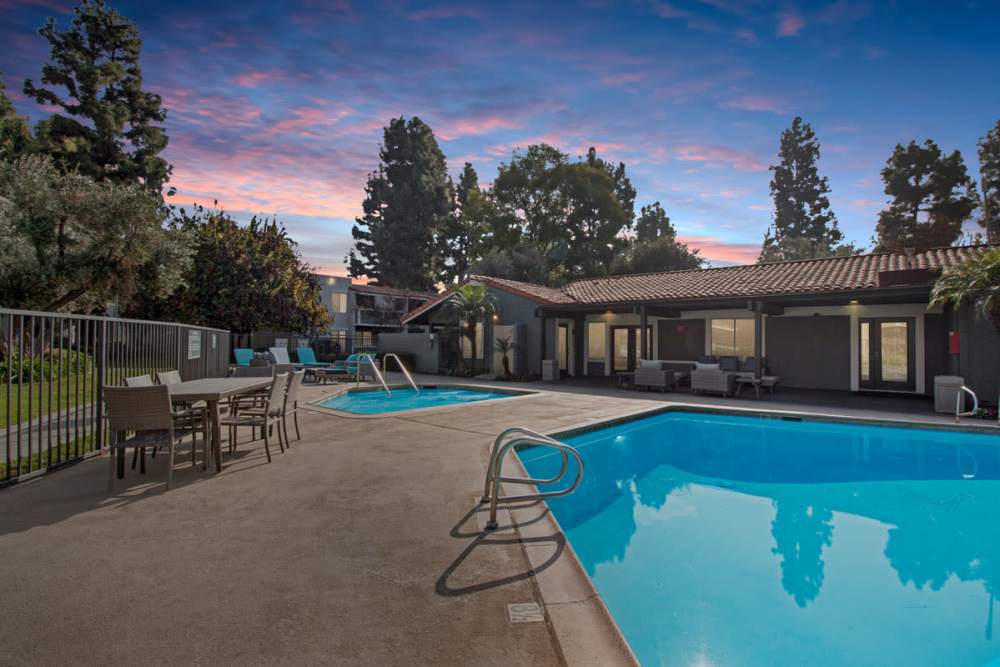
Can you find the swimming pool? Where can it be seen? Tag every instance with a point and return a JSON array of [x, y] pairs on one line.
[[729, 540], [376, 401]]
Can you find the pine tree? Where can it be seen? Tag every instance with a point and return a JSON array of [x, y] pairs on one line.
[[15, 135], [804, 226], [111, 127], [466, 232], [407, 206], [624, 190], [653, 224], [932, 195], [989, 172]]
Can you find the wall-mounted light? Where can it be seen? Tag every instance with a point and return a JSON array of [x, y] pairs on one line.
[[852, 302]]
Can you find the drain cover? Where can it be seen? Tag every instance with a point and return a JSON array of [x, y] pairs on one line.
[[525, 612]]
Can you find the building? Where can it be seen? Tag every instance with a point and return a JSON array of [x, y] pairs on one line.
[[859, 323], [358, 313]]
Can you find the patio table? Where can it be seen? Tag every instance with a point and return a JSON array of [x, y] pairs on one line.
[[212, 391], [766, 381]]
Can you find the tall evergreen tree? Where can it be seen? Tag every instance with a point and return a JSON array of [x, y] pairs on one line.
[[624, 190], [467, 231], [653, 224], [655, 247], [804, 226], [594, 218], [109, 126], [989, 172], [932, 195], [407, 206]]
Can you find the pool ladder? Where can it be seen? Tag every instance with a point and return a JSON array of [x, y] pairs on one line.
[[515, 437], [375, 370], [399, 362]]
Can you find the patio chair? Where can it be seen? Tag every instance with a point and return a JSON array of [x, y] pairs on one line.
[[653, 374], [266, 418], [290, 407], [280, 355], [713, 380], [146, 413], [194, 414], [243, 356], [139, 381]]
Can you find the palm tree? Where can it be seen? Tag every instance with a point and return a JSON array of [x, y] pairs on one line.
[[468, 306], [504, 346], [976, 282]]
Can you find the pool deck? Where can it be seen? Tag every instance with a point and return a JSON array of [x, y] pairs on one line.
[[359, 545]]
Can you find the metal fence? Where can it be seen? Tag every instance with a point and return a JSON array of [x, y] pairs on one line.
[[52, 368], [328, 347]]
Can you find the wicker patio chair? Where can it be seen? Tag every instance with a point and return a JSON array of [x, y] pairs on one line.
[[145, 412], [139, 381], [289, 408], [190, 415], [264, 419]]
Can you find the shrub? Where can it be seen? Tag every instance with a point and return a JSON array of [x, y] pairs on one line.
[[38, 369]]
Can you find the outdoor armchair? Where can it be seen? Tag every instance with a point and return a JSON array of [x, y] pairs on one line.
[[269, 415], [713, 380], [190, 415], [653, 374], [243, 356]]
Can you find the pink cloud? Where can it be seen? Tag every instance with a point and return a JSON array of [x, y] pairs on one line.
[[307, 121], [757, 103], [715, 250], [254, 78], [721, 155], [454, 12], [472, 126], [790, 24]]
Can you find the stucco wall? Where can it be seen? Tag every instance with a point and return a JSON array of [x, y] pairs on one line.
[[518, 310], [980, 356], [424, 350]]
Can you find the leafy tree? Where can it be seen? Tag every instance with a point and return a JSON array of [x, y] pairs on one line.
[[653, 223], [524, 262], [407, 206], [803, 248], [75, 243], [243, 278], [467, 231], [932, 195], [804, 226], [110, 127], [468, 306], [624, 190], [975, 282], [800, 532], [594, 218], [662, 254], [528, 203], [989, 171], [15, 135]]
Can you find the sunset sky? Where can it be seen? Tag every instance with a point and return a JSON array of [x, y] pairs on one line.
[[279, 107]]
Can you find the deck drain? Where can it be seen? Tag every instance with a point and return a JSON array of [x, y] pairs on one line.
[[525, 612]]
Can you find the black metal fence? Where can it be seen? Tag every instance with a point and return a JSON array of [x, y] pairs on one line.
[[52, 368]]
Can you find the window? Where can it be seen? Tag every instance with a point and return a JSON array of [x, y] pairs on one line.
[[339, 302], [596, 343], [467, 344], [733, 338]]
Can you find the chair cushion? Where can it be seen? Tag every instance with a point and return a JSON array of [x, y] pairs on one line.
[[699, 366]]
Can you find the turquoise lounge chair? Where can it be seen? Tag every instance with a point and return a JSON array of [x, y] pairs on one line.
[[243, 356], [307, 358]]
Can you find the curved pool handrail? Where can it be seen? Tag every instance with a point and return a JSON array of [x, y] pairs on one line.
[[406, 373], [542, 441], [492, 468], [375, 370], [958, 403]]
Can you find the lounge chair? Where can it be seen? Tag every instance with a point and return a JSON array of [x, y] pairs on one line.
[[280, 355], [349, 367], [307, 358], [243, 356]]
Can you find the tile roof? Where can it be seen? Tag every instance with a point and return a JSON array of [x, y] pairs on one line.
[[812, 276]]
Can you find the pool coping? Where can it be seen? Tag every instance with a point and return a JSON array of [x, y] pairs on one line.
[[585, 629], [511, 394]]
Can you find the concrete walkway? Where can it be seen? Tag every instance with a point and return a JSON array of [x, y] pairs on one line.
[[355, 547]]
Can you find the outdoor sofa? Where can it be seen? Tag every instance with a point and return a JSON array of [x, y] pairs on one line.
[[651, 374]]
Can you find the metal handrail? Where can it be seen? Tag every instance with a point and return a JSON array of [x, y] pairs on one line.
[[378, 373], [958, 403], [502, 446], [406, 373]]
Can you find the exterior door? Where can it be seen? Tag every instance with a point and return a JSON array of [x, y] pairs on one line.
[[887, 354], [563, 349], [623, 349]]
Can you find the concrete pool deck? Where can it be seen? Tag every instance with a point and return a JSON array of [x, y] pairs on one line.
[[357, 546]]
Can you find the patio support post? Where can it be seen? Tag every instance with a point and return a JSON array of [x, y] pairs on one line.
[[758, 320], [643, 343]]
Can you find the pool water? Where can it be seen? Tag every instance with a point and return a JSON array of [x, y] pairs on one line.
[[724, 540], [377, 401]]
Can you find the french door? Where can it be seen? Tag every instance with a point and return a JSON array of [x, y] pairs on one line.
[[563, 349], [625, 347], [887, 354]]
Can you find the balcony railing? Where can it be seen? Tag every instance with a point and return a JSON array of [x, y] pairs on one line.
[[373, 317]]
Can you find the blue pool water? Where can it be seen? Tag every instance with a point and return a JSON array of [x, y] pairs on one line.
[[376, 402], [722, 540]]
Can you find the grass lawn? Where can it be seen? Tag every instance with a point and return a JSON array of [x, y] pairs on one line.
[[80, 391]]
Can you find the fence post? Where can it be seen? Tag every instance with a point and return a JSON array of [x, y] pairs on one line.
[[101, 354], [180, 352]]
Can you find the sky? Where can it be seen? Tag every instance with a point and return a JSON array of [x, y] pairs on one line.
[[278, 108]]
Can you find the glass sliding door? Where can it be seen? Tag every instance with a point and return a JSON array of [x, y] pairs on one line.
[[623, 348], [563, 349], [887, 354]]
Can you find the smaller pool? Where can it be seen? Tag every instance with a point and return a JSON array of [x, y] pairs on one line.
[[373, 402]]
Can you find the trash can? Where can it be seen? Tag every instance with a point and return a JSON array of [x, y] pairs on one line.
[[946, 387], [550, 372]]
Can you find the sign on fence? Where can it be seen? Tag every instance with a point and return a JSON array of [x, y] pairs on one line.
[[194, 344]]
